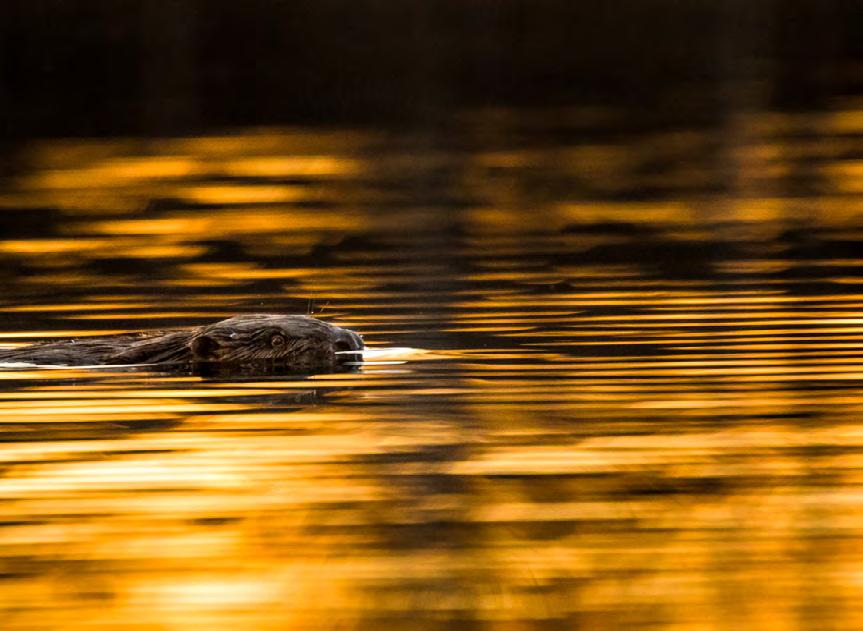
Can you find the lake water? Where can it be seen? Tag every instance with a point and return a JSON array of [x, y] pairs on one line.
[[616, 379]]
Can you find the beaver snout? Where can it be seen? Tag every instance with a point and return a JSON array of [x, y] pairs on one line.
[[347, 341]]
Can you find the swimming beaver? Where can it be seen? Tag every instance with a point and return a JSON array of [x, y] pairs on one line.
[[294, 343]]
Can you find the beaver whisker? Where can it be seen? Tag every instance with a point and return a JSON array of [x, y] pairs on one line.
[[295, 343]]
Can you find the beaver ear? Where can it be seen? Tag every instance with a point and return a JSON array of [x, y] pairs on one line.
[[204, 347]]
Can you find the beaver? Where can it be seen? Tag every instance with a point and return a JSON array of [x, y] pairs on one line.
[[294, 343]]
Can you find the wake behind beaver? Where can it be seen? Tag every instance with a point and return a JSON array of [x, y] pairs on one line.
[[295, 343]]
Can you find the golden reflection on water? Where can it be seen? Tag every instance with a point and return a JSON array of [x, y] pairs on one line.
[[621, 410]]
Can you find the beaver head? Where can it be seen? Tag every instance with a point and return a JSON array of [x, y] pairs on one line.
[[301, 343], [298, 344]]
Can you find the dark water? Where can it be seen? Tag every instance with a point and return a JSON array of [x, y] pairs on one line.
[[618, 386]]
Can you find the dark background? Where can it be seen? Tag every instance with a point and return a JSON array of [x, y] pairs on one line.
[[152, 67]]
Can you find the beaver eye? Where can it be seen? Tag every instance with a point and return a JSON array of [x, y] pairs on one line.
[[277, 341]]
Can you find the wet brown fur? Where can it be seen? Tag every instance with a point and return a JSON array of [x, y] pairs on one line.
[[296, 343]]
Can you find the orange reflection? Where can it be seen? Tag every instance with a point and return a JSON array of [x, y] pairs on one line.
[[597, 436]]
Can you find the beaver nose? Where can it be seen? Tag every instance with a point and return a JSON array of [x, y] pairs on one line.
[[347, 340]]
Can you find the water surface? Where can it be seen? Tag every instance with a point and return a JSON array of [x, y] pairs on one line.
[[631, 395]]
